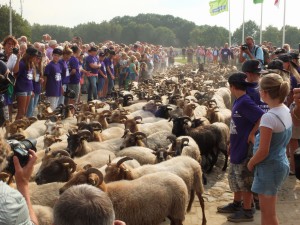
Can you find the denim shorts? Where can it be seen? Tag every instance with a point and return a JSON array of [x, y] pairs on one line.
[[269, 176], [25, 93]]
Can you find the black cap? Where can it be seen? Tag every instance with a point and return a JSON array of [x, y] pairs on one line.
[[101, 54], [57, 51], [32, 51], [240, 78], [252, 66], [276, 64], [294, 55], [92, 49], [112, 52], [285, 57], [279, 51]]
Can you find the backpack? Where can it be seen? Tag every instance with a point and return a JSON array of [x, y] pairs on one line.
[[266, 55]]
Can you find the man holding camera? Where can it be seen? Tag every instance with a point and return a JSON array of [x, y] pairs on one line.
[[15, 206], [251, 51]]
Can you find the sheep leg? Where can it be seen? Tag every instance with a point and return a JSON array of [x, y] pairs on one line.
[[176, 221], [224, 151], [201, 200], [192, 197]]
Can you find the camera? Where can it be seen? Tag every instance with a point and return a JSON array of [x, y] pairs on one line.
[[15, 51], [21, 150], [244, 47]]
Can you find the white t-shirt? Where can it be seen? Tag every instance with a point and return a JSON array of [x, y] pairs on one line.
[[11, 62], [271, 121]]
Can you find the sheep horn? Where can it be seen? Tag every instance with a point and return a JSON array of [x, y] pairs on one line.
[[186, 118], [70, 161], [96, 125], [32, 119], [70, 106], [185, 140], [82, 125], [61, 152], [123, 118], [172, 138], [16, 136], [84, 133], [3, 176], [138, 118], [97, 172], [140, 133], [106, 113], [126, 158]]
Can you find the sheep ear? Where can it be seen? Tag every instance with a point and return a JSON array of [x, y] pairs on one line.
[[87, 166]]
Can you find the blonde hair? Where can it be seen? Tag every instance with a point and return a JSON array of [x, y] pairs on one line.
[[67, 50], [275, 86]]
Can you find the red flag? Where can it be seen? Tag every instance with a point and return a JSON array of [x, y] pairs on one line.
[[276, 2]]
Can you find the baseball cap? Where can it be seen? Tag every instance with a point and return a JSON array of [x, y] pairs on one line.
[[101, 54], [92, 49], [294, 55], [252, 66], [240, 78], [276, 64], [57, 51], [32, 51]]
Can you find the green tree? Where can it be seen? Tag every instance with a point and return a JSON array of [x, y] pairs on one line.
[[58, 33], [272, 34], [291, 36], [164, 36], [20, 26], [251, 29]]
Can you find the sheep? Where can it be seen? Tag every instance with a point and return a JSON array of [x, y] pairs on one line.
[[156, 139], [209, 139], [44, 214], [136, 203], [141, 154], [183, 166], [223, 97], [133, 139], [214, 115], [35, 130]]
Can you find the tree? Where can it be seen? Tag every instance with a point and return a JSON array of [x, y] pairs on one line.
[[291, 36], [272, 34], [251, 29], [58, 33], [20, 26], [164, 36]]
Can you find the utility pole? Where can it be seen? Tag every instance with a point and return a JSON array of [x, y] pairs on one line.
[[10, 18], [21, 7]]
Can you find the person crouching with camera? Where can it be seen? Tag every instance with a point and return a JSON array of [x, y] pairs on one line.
[[251, 51], [15, 205]]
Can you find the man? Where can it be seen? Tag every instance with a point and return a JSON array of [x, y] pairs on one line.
[[84, 204], [251, 51], [244, 123], [52, 44], [226, 54], [15, 205]]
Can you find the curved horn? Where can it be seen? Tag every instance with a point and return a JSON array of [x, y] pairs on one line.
[[82, 125], [96, 125], [140, 133], [186, 118], [61, 152], [97, 172], [138, 118], [123, 160], [172, 138], [3, 176], [84, 133], [106, 113], [185, 140], [72, 164]]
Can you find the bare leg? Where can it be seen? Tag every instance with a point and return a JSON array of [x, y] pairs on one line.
[[268, 209]]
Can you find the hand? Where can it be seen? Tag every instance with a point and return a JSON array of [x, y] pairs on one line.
[[22, 175], [251, 138], [250, 165], [119, 222], [112, 77]]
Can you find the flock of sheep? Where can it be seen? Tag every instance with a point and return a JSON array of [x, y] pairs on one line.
[[146, 148]]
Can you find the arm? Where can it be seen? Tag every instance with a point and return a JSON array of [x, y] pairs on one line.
[[16, 67], [251, 137], [109, 72], [95, 66], [241, 57], [263, 149], [296, 111], [22, 177]]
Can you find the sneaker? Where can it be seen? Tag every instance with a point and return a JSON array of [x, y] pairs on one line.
[[241, 216], [230, 208]]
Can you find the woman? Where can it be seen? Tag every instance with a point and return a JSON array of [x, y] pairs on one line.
[[102, 78], [269, 162], [37, 84], [24, 85]]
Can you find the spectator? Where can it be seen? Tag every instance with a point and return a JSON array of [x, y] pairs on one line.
[[15, 205], [24, 81], [183, 52], [110, 71], [171, 57], [215, 55], [84, 204], [52, 76], [102, 78], [287, 48], [74, 69], [52, 44], [244, 123], [251, 51], [226, 54], [269, 160], [296, 109], [92, 65]]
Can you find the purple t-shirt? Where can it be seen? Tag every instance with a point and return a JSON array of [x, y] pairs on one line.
[[65, 75], [74, 64], [36, 84], [53, 85], [253, 92], [245, 113], [24, 79], [91, 59], [103, 69], [109, 63]]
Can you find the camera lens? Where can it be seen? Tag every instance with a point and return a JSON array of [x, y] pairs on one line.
[[29, 143]]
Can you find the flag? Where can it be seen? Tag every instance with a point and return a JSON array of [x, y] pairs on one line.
[[276, 3], [218, 6], [258, 1]]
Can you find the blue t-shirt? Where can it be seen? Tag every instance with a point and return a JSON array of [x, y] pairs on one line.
[[103, 69], [53, 85], [74, 64], [109, 63], [24, 79], [245, 113], [91, 59], [258, 53]]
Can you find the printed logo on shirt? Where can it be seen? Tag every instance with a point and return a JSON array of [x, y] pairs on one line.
[[112, 66], [58, 77], [29, 76], [236, 114], [37, 77], [67, 73], [232, 127]]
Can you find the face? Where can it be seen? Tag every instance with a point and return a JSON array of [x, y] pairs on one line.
[[9, 45], [250, 43], [56, 58]]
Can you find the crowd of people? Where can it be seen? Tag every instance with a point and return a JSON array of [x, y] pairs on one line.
[[264, 129]]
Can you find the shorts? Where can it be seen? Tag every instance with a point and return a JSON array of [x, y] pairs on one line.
[[269, 176], [239, 177], [76, 89], [25, 93]]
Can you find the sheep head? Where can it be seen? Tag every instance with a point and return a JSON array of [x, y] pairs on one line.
[[56, 166], [161, 154], [75, 141], [117, 171], [133, 139]]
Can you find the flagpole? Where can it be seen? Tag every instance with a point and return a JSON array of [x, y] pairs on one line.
[[283, 34], [10, 18], [261, 19], [243, 31], [229, 23]]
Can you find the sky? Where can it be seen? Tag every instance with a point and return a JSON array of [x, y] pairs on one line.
[[70, 13]]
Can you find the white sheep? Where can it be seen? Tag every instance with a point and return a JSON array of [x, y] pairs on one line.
[[141, 154], [44, 214]]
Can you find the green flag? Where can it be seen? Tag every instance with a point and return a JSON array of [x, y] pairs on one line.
[[218, 6], [258, 1]]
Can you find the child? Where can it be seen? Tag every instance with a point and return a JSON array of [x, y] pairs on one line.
[[244, 123], [270, 162]]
